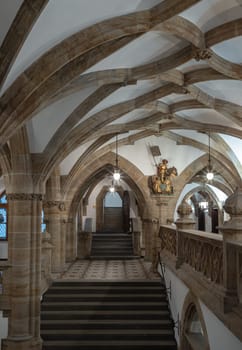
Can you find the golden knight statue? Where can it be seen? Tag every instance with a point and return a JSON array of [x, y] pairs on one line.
[[162, 181]]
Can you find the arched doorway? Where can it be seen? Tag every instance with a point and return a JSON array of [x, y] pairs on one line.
[[112, 212], [206, 208]]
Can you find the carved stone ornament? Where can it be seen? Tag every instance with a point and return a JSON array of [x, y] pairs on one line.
[[201, 54], [162, 182], [66, 221], [184, 209], [52, 204], [233, 204], [62, 206], [24, 196]]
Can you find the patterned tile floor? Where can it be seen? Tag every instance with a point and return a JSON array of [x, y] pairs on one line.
[[109, 270]]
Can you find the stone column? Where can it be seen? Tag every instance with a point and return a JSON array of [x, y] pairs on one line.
[[147, 230], [53, 225], [69, 227], [24, 233], [150, 231], [46, 257], [53, 207], [232, 235], [136, 237], [84, 244]]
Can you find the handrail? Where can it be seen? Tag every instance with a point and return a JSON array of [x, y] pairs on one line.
[[176, 324]]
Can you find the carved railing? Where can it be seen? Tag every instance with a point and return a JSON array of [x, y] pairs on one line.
[[201, 251], [235, 265], [168, 239], [210, 265], [203, 254]]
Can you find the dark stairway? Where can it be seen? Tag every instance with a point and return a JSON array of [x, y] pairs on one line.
[[112, 246], [130, 315]]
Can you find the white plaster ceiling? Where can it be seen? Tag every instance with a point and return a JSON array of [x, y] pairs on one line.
[[62, 18]]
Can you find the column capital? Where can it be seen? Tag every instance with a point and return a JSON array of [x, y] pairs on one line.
[[52, 204], [25, 196]]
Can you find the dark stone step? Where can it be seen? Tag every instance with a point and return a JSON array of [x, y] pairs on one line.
[[108, 248], [114, 284], [104, 297], [110, 345], [111, 238], [107, 315], [110, 234], [117, 335], [105, 255], [108, 256], [112, 246], [105, 290], [115, 246], [106, 324], [113, 250], [102, 306], [112, 241]]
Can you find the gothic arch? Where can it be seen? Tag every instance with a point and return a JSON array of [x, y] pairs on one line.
[[193, 334], [211, 194], [199, 164], [98, 169]]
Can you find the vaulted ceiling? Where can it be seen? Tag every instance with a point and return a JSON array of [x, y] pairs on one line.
[[74, 73]]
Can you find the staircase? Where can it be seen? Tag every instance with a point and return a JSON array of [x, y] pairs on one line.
[[112, 246], [130, 315]]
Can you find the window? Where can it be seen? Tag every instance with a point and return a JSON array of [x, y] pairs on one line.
[[43, 225], [3, 217], [113, 200]]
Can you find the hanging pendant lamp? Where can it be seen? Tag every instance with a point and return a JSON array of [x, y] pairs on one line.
[[116, 174], [210, 174]]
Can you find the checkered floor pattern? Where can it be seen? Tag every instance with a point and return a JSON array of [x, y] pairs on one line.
[[109, 270]]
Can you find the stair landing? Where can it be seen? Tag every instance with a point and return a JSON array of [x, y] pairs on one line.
[[136, 269]]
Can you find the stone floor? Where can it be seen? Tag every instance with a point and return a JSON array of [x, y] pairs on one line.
[[109, 270]]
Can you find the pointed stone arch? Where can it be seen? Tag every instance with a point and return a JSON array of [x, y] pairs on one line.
[[98, 169], [192, 312]]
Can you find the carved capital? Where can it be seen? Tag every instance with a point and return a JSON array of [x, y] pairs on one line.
[[67, 221], [52, 204], [24, 196], [161, 203]]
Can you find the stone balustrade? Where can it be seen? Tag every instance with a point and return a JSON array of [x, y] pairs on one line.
[[210, 265], [201, 251], [168, 239], [206, 256]]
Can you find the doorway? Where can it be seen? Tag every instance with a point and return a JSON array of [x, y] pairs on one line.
[[112, 212]]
